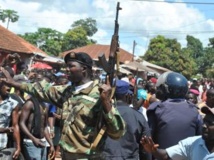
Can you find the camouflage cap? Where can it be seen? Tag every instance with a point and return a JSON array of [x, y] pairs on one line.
[[80, 57]]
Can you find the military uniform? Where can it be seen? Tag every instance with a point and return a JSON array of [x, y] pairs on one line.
[[82, 124]]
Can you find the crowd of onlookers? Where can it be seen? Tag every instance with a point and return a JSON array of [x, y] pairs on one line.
[[160, 113]]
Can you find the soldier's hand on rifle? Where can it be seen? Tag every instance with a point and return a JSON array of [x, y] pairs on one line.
[[105, 95], [105, 92]]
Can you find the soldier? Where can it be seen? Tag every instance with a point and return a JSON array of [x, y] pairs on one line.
[[87, 103]]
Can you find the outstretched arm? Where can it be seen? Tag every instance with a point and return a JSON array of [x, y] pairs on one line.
[[9, 80], [42, 90], [150, 147]]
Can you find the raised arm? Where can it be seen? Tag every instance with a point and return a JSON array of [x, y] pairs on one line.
[[42, 90], [150, 147], [114, 122]]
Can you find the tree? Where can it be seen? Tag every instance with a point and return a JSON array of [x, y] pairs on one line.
[[54, 42], [195, 46], [207, 61], [169, 54], [89, 25], [78, 35], [75, 38], [9, 15], [47, 39]]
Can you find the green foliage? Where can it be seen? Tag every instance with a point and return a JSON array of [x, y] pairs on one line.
[[75, 38], [89, 25], [46, 39], [207, 62], [54, 42], [9, 16], [78, 35], [195, 46], [169, 54]]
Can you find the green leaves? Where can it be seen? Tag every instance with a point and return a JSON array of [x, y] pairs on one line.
[[9, 16], [189, 61], [54, 42], [168, 53], [47, 39]]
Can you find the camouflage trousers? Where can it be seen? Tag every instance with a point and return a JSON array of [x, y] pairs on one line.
[[76, 156]]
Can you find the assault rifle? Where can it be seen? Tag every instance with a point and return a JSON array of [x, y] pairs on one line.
[[108, 67]]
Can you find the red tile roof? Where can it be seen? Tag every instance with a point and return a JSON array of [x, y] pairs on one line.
[[95, 50], [12, 42]]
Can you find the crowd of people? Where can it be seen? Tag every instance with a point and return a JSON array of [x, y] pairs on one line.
[[72, 114]]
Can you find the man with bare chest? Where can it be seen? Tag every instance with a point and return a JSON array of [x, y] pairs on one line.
[[33, 124]]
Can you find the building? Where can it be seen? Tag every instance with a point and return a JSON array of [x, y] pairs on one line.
[[11, 43]]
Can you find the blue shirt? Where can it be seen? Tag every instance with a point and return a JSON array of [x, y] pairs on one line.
[[192, 148], [127, 147], [173, 120]]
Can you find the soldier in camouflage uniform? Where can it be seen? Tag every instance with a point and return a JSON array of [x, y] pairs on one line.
[[86, 103]]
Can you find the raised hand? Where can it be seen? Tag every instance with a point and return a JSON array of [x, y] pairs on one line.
[[105, 90], [148, 144]]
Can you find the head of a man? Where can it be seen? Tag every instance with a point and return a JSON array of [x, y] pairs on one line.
[[171, 85], [79, 66], [5, 89], [123, 91], [192, 98], [210, 98], [208, 126]]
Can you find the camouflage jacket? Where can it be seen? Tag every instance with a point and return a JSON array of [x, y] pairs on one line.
[[84, 108]]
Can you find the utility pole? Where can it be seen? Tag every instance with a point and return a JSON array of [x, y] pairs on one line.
[[134, 44]]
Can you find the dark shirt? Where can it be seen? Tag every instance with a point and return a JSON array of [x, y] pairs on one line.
[[127, 147], [172, 121]]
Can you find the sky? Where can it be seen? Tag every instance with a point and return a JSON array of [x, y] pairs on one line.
[[139, 20]]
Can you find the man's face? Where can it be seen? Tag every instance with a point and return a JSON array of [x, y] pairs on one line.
[[210, 98], [208, 128], [4, 90], [192, 98], [75, 71]]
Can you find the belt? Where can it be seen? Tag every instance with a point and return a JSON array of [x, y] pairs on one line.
[[29, 140]]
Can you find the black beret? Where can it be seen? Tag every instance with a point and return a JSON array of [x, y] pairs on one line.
[[80, 57]]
